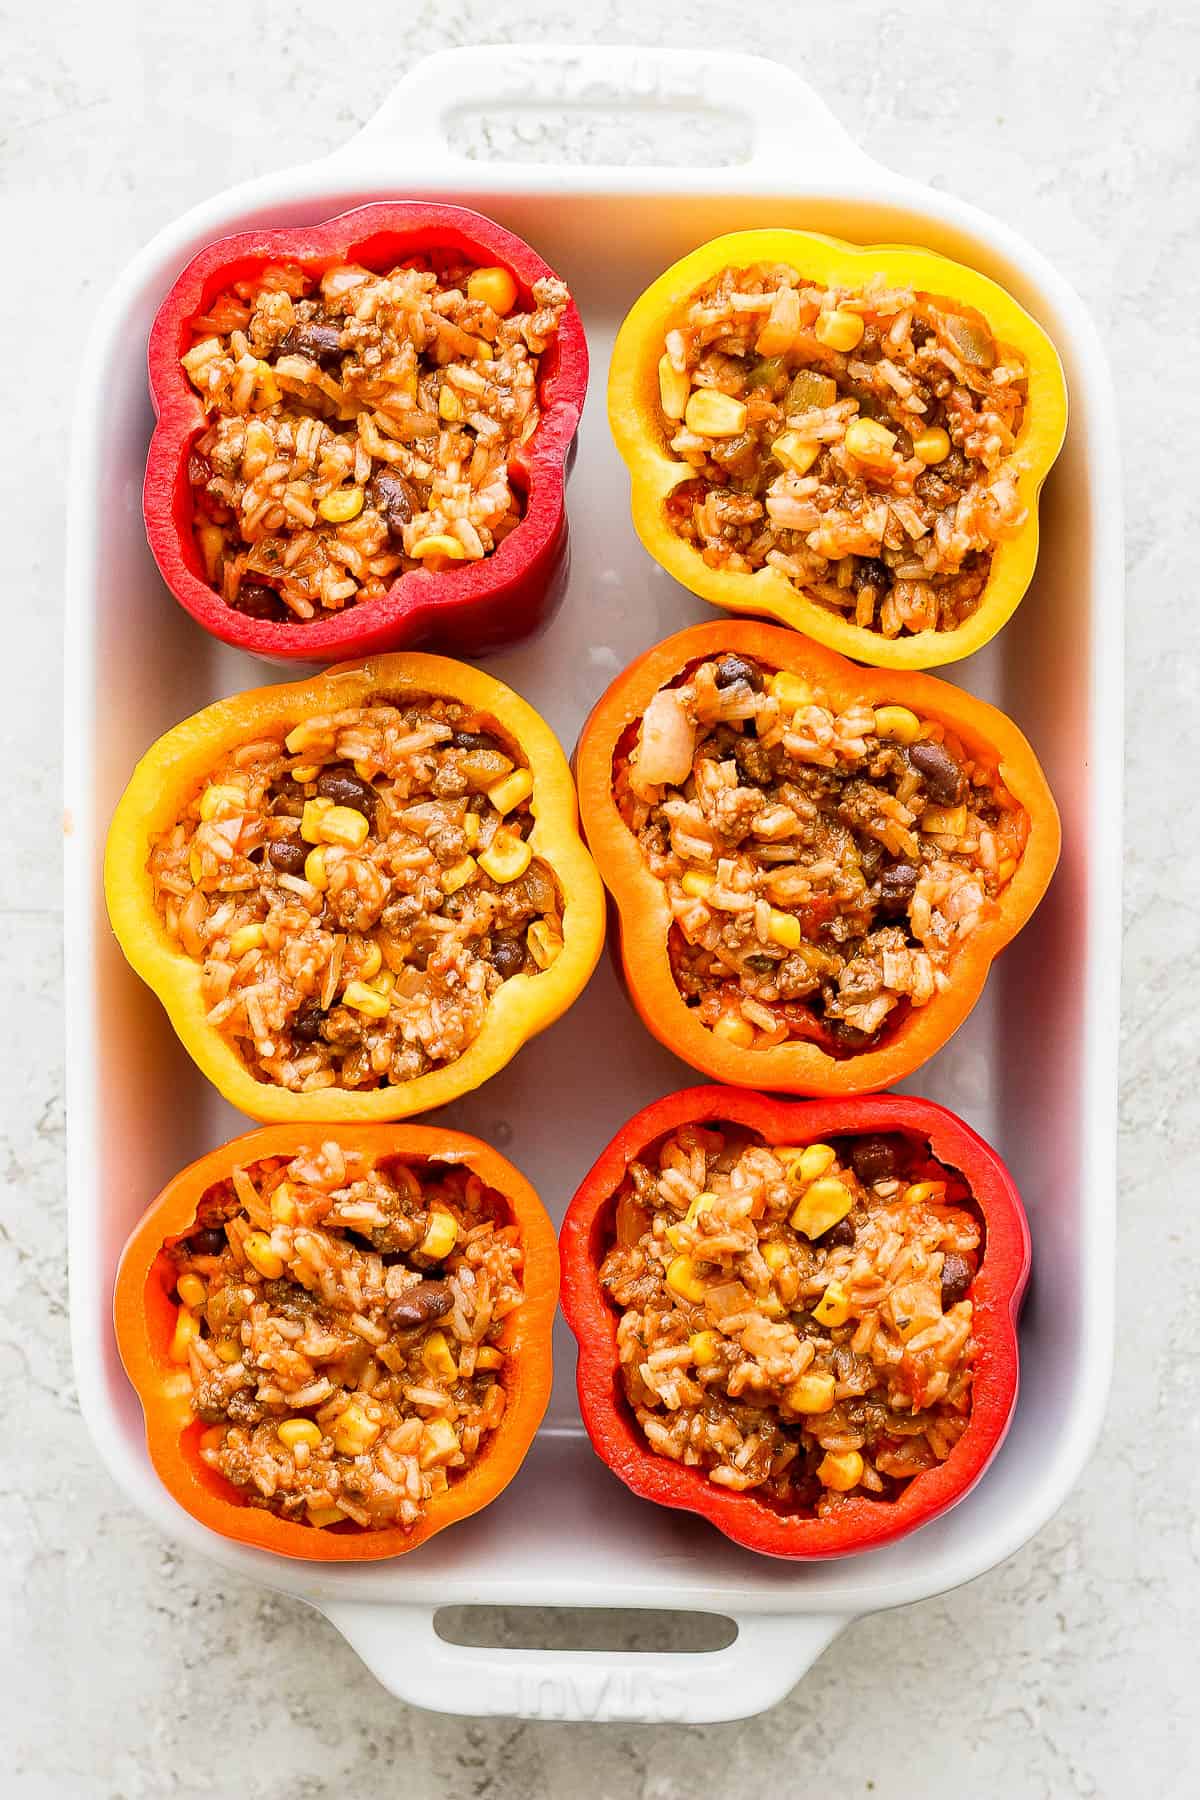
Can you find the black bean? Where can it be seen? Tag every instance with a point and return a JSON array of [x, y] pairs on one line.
[[869, 571], [838, 1235], [391, 495], [941, 774], [873, 1159], [957, 1276], [732, 669], [288, 855], [418, 1305], [474, 740], [208, 1241], [896, 886], [308, 1022], [255, 600], [345, 788], [320, 343], [507, 957], [521, 823]]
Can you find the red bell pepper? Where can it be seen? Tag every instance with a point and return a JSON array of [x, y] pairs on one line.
[[467, 610], [996, 1292]]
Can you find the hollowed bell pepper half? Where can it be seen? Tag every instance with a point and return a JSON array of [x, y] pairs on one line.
[[857, 1521], [469, 607], [168, 1342], [532, 784], [810, 1060], [635, 407]]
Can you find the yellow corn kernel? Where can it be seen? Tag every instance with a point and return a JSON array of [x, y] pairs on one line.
[[506, 857], [701, 1204], [220, 802], [366, 771], [489, 1357], [776, 1257], [840, 1471], [341, 506], [784, 928], [449, 405], [868, 441], [192, 1290], [315, 872], [261, 1256], [821, 1205], [932, 445], [439, 1443], [298, 1431], [187, 1330], [212, 544], [441, 1233], [305, 772], [353, 1432], [815, 1160], [811, 1394], [685, 1279], [213, 1438], [839, 330], [789, 690], [544, 943], [229, 1350], [833, 1308], [312, 819], [195, 866], [712, 414], [933, 1191], [944, 821], [366, 1000], [471, 829], [247, 937], [344, 825], [321, 1516], [438, 1357], [268, 387], [440, 544], [458, 875], [697, 884], [370, 963], [308, 735], [283, 1204], [673, 388], [897, 724], [510, 790], [704, 1346], [483, 351], [494, 286], [794, 452], [385, 981], [734, 1030]]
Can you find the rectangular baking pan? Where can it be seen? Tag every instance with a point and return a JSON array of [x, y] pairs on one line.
[[1034, 1068]]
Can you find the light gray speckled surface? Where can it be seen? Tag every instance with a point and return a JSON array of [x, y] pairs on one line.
[[133, 1671]]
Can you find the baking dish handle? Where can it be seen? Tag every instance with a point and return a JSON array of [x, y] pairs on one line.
[[401, 1647], [777, 108]]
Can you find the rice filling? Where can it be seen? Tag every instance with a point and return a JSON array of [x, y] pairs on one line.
[[795, 1321], [822, 863], [360, 425], [861, 442], [357, 891], [340, 1321]]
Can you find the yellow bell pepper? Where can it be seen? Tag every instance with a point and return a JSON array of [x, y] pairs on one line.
[[634, 410]]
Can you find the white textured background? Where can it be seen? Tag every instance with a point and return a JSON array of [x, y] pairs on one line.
[[127, 1670]]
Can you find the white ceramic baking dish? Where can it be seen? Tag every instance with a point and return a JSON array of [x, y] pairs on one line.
[[1034, 1069]]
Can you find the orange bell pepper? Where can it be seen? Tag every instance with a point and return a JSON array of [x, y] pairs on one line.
[[174, 768], [636, 421], [145, 1318], [797, 1066]]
